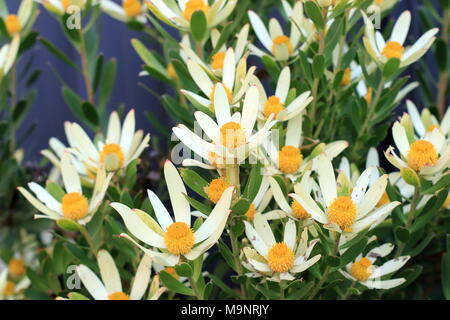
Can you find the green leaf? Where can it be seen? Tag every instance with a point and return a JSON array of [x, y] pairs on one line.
[[184, 270], [55, 190], [391, 67], [58, 53], [68, 224], [253, 182], [441, 54], [318, 66], [352, 252], [302, 292], [90, 113], [443, 183], [333, 261], [219, 283], [314, 13], [107, 82], [199, 25], [74, 102], [241, 207], [402, 234], [227, 254], [194, 181], [174, 285]]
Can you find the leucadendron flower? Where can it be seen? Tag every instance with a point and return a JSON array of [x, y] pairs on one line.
[[21, 22], [129, 10], [381, 51], [60, 7], [425, 121], [175, 238], [279, 260], [428, 156], [122, 145], [344, 210], [278, 45], [178, 13], [109, 285], [364, 271], [71, 203]]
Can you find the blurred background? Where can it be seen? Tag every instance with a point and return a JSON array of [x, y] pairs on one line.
[[50, 111]]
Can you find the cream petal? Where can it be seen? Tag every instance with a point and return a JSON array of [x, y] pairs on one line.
[[374, 216], [221, 105], [401, 139], [108, 271], [209, 126], [372, 196], [290, 234], [200, 77], [260, 30], [250, 110], [45, 197], [161, 213], [69, 174], [229, 69], [262, 227], [389, 267], [310, 206], [177, 194], [142, 278], [92, 283], [361, 185], [279, 196], [415, 117], [384, 284], [256, 240], [327, 179], [401, 28]]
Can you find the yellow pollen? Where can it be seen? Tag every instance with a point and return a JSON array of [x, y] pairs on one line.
[[10, 288], [362, 269], [250, 214], [393, 49], [216, 188], [368, 96], [432, 127], [171, 71], [384, 200], [132, 8], [232, 135], [280, 258], [195, 5], [13, 24], [179, 238], [289, 159], [282, 40], [422, 153], [74, 206], [273, 105], [115, 150], [118, 296], [228, 92], [347, 77], [16, 267], [298, 211], [66, 4], [378, 2], [172, 272], [217, 60], [342, 211]]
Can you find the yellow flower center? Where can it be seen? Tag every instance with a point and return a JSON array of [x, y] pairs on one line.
[[422, 153], [298, 211], [273, 105], [228, 92], [393, 49], [289, 159], [362, 269], [171, 71], [232, 135], [216, 188], [118, 296], [378, 2], [179, 238], [280, 258], [347, 77], [74, 206], [342, 211], [172, 272], [13, 24], [282, 40], [195, 5], [112, 156], [16, 267], [432, 127], [217, 60], [368, 96], [10, 288], [384, 200], [132, 8], [250, 214], [66, 4]]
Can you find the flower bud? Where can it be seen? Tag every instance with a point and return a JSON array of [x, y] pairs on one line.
[[410, 177]]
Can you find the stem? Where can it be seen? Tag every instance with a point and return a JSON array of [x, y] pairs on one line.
[[85, 69], [327, 270], [443, 77], [89, 240], [348, 293], [12, 145], [195, 288], [282, 291], [411, 215]]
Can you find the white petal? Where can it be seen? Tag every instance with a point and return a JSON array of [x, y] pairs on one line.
[[108, 271], [177, 193], [92, 283], [327, 180]]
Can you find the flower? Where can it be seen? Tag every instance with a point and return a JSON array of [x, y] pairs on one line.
[[232, 135], [8, 55], [280, 46], [59, 7], [235, 81], [71, 204], [425, 122], [109, 287], [277, 103], [381, 51], [179, 14], [364, 271], [282, 260], [128, 11], [19, 23], [345, 211], [9, 288], [428, 156], [217, 60], [175, 238], [121, 146]]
